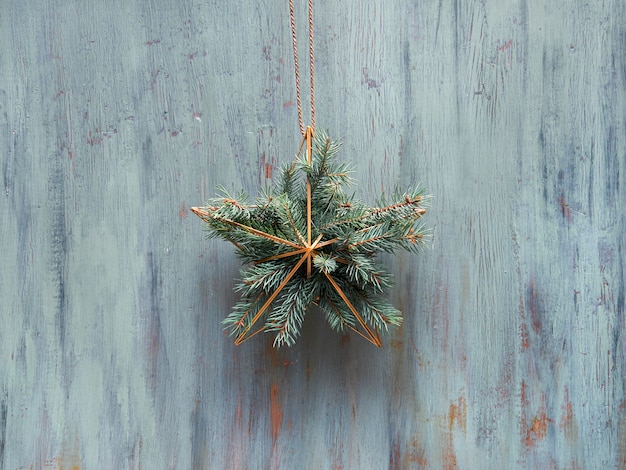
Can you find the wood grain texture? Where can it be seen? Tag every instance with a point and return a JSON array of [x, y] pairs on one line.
[[117, 116]]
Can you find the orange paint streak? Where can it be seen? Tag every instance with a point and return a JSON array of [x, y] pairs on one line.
[[268, 170], [420, 362], [537, 430], [449, 457], [567, 424], [238, 413], [277, 358], [394, 456], [565, 209], [524, 336], [568, 417], [458, 413], [534, 305], [621, 435], [276, 411], [415, 455], [69, 458], [524, 405], [136, 454], [183, 212], [506, 46]]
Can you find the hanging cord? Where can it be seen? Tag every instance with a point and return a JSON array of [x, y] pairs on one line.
[[292, 18]]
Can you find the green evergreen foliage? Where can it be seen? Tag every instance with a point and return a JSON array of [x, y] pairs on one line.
[[345, 280]]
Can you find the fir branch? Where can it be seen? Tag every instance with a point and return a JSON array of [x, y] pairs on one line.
[[339, 318], [264, 277], [292, 217], [286, 319], [325, 263], [240, 318]]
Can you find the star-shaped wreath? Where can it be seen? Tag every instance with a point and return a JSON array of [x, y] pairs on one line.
[[308, 242]]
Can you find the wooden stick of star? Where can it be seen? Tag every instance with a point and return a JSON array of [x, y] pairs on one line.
[[203, 214], [309, 137]]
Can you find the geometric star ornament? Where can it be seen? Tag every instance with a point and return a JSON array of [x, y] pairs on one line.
[[307, 242]]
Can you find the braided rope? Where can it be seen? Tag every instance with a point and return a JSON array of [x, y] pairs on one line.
[[294, 39], [312, 64]]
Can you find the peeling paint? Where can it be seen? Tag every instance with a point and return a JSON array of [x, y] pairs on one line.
[[182, 214], [458, 414], [276, 411]]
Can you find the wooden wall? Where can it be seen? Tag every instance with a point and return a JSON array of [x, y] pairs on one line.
[[117, 116]]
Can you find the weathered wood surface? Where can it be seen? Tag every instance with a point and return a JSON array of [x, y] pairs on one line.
[[117, 116]]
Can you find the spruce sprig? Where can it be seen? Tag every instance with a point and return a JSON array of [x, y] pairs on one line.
[[346, 280]]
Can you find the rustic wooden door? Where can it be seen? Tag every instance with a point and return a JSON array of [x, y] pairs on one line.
[[117, 116]]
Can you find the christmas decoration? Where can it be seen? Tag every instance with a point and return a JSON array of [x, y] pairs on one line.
[[309, 242]]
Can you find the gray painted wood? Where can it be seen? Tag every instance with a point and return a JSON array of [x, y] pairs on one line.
[[117, 116]]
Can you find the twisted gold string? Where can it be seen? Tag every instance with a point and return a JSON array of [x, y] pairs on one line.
[[294, 39]]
